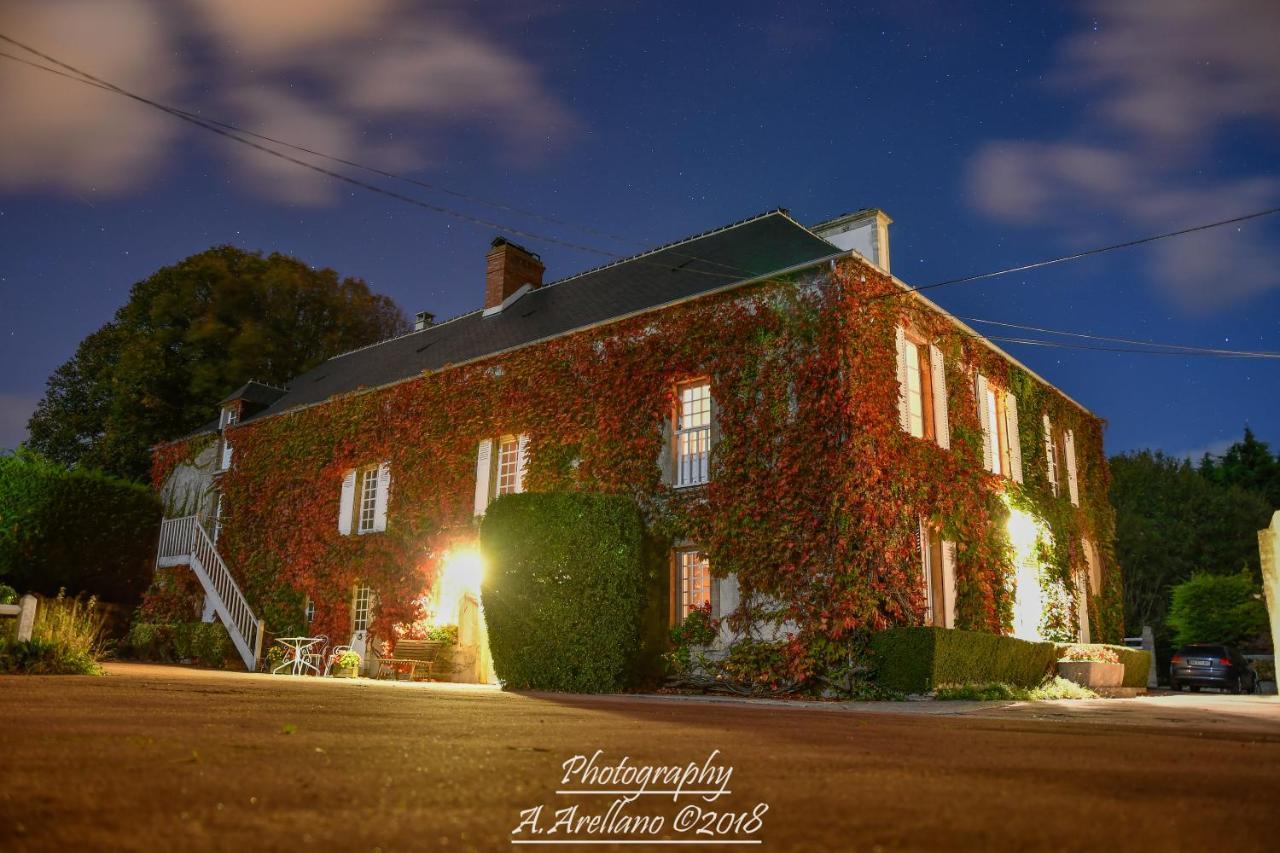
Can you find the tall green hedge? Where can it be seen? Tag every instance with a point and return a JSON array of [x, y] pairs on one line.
[[77, 529], [916, 660], [571, 593]]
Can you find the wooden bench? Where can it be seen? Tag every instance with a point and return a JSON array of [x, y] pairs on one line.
[[426, 656]]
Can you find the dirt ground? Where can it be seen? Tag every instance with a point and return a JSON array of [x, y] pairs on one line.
[[160, 758]]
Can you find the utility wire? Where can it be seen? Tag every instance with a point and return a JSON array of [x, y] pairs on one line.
[[233, 132], [1128, 244], [1186, 348]]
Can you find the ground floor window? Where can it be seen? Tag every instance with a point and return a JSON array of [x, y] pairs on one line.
[[362, 608], [929, 546], [692, 582]]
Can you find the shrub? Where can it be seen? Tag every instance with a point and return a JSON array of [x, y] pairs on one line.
[[206, 643], [1052, 688], [1136, 661], [916, 660], [8, 595], [78, 529], [66, 639], [1217, 609], [572, 592], [1089, 654]]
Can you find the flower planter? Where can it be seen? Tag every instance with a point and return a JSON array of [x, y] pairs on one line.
[[345, 672], [1091, 673]]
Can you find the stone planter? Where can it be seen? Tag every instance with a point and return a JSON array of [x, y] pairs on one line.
[[345, 672], [1092, 674]]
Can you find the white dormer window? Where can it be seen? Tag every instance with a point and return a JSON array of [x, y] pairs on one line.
[[230, 416], [693, 434]]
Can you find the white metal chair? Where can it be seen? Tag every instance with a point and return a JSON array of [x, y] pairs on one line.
[[333, 656]]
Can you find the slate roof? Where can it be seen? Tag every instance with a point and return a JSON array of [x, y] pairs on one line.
[[255, 392], [745, 250]]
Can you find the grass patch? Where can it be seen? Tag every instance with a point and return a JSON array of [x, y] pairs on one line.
[[995, 691], [65, 640]]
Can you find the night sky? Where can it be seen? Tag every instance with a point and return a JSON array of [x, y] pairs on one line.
[[993, 135]]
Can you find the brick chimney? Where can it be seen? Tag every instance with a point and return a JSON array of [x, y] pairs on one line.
[[508, 268]]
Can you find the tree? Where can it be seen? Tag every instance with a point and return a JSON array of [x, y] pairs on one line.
[[1217, 609], [189, 335], [1172, 522], [1249, 465]]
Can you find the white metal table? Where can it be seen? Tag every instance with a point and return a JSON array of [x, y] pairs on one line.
[[296, 656]]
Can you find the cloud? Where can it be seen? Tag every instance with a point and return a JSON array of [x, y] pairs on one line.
[[344, 77], [1167, 80], [15, 411], [66, 136]]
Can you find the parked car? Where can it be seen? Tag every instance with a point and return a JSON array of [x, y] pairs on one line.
[[1203, 665]]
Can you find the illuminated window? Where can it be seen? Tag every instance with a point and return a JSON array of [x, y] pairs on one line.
[[510, 467], [693, 434], [918, 390], [361, 608], [693, 581], [367, 511]]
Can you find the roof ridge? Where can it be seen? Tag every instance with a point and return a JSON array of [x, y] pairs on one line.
[[782, 211], [775, 211]]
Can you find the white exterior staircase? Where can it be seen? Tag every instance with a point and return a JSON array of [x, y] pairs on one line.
[[184, 541]]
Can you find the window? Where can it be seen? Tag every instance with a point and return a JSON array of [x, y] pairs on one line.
[[217, 518], [367, 509], [995, 430], [693, 582], [361, 608], [224, 461], [918, 390], [310, 611], [510, 467], [693, 434], [1051, 454], [1073, 475], [230, 416], [929, 547]]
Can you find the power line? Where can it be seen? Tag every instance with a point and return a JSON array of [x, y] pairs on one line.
[[1128, 244], [231, 131], [1038, 342], [1185, 348]]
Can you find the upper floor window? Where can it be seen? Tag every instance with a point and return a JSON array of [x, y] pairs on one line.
[[1051, 454], [500, 468], [510, 478], [997, 439], [922, 400], [693, 434], [363, 505], [224, 458], [1073, 473], [368, 506], [230, 416], [1001, 440], [693, 582]]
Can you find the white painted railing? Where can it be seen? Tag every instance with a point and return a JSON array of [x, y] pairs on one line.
[[184, 540]]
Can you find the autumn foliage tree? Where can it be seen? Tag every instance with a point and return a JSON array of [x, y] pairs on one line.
[[188, 336]]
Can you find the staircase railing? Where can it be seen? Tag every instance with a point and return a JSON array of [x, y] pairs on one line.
[[184, 540]]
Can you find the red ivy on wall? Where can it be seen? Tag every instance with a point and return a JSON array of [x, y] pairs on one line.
[[815, 490]]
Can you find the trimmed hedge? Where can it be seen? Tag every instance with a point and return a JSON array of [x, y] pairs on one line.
[[79, 530], [917, 660], [206, 643], [571, 592], [1136, 661]]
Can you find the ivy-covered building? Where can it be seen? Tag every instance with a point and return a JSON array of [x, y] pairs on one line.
[[824, 450]]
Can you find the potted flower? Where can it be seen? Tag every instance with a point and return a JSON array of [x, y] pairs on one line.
[[1091, 666], [347, 665]]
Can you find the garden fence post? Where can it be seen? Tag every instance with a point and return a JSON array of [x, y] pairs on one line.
[[26, 617]]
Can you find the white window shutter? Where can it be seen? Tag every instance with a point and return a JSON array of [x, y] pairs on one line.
[[1051, 464], [380, 497], [987, 426], [949, 582], [1015, 437], [926, 569], [904, 416], [347, 503], [1073, 485], [522, 459], [941, 423], [484, 454]]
